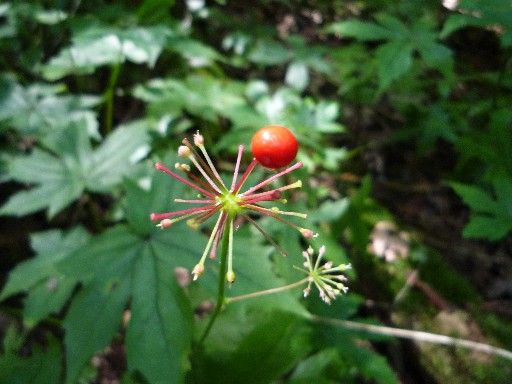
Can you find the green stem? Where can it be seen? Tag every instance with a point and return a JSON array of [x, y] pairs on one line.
[[109, 97], [222, 276], [266, 291]]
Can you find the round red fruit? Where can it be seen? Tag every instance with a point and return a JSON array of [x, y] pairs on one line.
[[274, 146]]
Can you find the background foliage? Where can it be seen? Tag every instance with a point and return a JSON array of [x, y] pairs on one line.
[[402, 110]]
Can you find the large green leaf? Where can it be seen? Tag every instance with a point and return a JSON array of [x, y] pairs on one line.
[[125, 262], [144, 258], [62, 175]]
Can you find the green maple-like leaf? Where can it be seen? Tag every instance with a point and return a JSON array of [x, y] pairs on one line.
[[68, 165], [135, 263], [394, 57]]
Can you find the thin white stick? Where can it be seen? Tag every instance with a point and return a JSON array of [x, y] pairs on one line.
[[414, 335]]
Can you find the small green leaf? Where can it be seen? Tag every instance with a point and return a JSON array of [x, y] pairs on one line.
[[255, 273], [435, 54], [40, 108], [197, 53], [475, 197], [491, 218], [268, 52], [394, 60], [487, 227], [360, 30]]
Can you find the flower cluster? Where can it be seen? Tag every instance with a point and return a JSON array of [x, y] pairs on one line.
[[225, 202], [327, 278]]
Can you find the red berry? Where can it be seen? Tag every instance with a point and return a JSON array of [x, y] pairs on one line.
[[274, 146]]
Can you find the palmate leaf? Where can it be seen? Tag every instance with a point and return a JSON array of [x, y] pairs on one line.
[[97, 46], [202, 96], [129, 262], [134, 263], [39, 108], [118, 265], [69, 165], [394, 57]]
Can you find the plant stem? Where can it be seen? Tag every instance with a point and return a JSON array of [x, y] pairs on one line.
[[222, 277], [109, 97], [266, 292], [413, 335]]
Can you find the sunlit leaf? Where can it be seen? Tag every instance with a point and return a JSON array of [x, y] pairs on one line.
[[61, 176], [98, 46]]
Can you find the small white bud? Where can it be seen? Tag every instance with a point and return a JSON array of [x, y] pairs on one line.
[[198, 139], [165, 223], [198, 271], [183, 151]]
